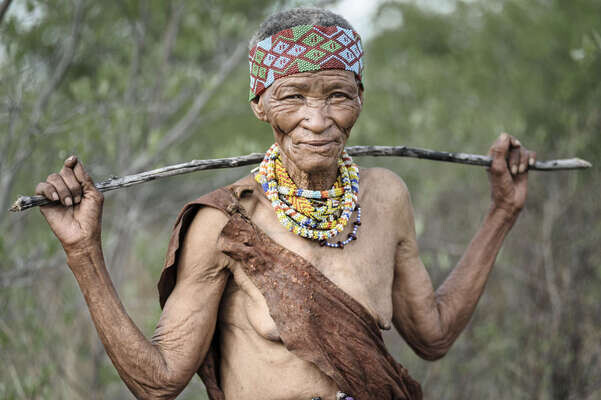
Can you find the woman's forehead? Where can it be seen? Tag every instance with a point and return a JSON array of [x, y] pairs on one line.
[[317, 79]]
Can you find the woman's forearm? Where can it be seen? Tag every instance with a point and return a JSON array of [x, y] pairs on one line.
[[457, 297], [139, 363]]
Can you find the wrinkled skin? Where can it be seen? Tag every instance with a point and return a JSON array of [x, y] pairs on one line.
[[311, 115]]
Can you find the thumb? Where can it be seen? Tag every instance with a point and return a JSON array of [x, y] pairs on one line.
[[90, 192], [498, 153], [81, 175]]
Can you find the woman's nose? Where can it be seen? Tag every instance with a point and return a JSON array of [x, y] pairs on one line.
[[316, 118]]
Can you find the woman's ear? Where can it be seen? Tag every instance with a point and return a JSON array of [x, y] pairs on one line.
[[361, 98], [258, 108]]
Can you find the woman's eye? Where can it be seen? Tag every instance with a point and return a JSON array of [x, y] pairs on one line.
[[294, 97], [339, 95]]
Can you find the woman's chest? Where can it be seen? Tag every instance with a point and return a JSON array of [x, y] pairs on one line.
[[364, 270]]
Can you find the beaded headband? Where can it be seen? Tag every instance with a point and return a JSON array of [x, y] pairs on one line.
[[303, 48]]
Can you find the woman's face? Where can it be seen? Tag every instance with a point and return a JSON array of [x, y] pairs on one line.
[[311, 114]]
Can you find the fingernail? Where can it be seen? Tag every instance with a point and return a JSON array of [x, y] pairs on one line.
[[55, 196], [514, 170], [518, 143], [522, 168], [68, 201], [504, 136], [77, 199], [531, 161]]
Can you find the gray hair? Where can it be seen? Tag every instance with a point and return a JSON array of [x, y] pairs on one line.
[[294, 17]]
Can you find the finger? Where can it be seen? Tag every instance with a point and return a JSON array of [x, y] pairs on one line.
[[72, 184], [61, 188], [523, 160], [500, 141], [531, 158], [521, 187], [498, 153], [82, 176], [513, 160], [46, 190], [89, 189], [70, 161]]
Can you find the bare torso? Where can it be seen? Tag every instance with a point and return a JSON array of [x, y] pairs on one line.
[[255, 363]]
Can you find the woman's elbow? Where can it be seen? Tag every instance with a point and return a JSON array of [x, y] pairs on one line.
[[433, 350], [162, 385], [432, 354]]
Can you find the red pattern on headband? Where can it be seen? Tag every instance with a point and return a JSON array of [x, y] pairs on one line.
[[303, 48]]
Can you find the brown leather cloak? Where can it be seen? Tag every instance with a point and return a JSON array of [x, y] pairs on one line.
[[317, 321]]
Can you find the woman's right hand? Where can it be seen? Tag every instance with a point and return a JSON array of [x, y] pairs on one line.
[[75, 216]]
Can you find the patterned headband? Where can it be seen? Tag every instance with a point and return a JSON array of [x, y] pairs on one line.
[[300, 49]]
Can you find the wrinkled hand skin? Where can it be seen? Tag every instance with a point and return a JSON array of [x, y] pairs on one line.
[[508, 174], [382, 269], [77, 217]]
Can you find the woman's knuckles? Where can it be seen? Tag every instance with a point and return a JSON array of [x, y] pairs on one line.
[[53, 177]]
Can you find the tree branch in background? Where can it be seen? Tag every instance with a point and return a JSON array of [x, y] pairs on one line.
[[25, 202], [4, 8], [182, 128], [24, 146], [34, 131], [65, 62], [168, 42]]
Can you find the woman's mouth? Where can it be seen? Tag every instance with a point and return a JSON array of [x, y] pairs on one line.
[[320, 146], [318, 143]]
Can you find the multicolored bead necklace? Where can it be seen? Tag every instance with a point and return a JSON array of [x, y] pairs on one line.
[[312, 214]]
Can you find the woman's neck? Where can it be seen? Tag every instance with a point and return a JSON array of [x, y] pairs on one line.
[[312, 180]]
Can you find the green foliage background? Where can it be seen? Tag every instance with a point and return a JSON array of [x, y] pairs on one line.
[[130, 85]]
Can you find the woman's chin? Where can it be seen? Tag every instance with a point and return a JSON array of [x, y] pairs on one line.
[[315, 164], [323, 155]]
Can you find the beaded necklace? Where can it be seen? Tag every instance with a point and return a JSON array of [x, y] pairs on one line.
[[312, 214]]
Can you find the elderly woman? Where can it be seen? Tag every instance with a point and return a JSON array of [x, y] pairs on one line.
[[277, 287]]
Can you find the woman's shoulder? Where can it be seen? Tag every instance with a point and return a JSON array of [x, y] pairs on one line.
[[382, 180]]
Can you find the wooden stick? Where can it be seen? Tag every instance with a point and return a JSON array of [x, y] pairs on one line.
[[26, 202]]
